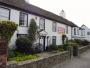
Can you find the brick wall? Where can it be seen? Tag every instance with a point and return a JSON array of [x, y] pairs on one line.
[[3, 53]]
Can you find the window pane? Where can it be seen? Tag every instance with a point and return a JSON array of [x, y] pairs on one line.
[[54, 25], [42, 23], [67, 29], [3, 18], [23, 19], [74, 31], [4, 13], [54, 40]]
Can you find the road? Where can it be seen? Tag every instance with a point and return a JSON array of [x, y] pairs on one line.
[[83, 61]]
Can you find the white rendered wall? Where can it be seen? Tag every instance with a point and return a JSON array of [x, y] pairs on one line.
[[14, 16]]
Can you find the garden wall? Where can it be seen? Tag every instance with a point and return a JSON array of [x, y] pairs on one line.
[[43, 62], [83, 49], [3, 53]]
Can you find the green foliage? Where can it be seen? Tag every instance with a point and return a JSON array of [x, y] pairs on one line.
[[60, 48], [72, 43], [78, 42], [32, 30], [7, 29], [17, 56], [85, 42], [52, 48], [25, 57], [65, 46], [24, 45], [11, 53]]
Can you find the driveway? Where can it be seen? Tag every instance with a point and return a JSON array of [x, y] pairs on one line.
[[83, 61]]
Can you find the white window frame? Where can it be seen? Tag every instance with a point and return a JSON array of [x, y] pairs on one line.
[[23, 19], [42, 23], [54, 27], [3, 15], [54, 38]]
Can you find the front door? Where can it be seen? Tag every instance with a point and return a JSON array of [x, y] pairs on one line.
[[43, 41]]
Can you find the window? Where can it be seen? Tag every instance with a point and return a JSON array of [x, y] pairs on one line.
[[42, 23], [77, 31], [54, 40], [74, 31], [84, 32], [67, 29], [23, 19], [4, 13], [54, 26], [88, 33]]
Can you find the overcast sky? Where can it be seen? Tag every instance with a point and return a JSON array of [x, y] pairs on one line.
[[77, 11]]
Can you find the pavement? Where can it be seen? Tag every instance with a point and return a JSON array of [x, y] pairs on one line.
[[82, 61]]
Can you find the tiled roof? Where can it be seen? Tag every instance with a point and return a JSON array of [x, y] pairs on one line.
[[22, 5]]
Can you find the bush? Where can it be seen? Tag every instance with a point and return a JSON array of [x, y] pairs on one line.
[[78, 41], [37, 48], [72, 43], [85, 42], [25, 57], [21, 57], [60, 48], [65, 46], [7, 29], [24, 45], [11, 53], [52, 48], [32, 31]]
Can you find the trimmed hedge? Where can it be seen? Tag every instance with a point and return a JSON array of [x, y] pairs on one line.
[[52, 48], [7, 29]]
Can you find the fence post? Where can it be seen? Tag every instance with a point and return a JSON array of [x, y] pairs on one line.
[[70, 49], [76, 50]]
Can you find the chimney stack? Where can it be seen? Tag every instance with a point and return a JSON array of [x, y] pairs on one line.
[[62, 14]]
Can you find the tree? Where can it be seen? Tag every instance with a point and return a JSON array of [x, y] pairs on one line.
[[32, 31]]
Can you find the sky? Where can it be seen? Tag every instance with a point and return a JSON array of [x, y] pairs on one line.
[[77, 11]]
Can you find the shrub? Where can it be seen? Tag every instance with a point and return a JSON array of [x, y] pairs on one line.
[[60, 48], [24, 45], [85, 42], [7, 29], [11, 53], [37, 48], [65, 46], [25, 57], [21, 57], [52, 48], [32, 31], [78, 41], [72, 43]]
